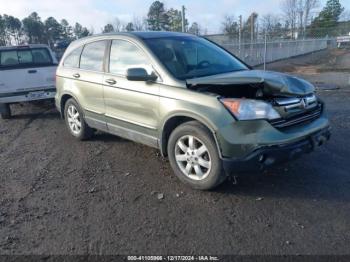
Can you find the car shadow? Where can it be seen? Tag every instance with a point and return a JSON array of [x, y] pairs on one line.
[[100, 136], [294, 180], [41, 115]]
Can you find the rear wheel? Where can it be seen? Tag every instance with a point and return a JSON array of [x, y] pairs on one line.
[[194, 157], [6, 111], [75, 121]]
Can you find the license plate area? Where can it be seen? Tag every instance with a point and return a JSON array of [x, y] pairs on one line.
[[38, 95]]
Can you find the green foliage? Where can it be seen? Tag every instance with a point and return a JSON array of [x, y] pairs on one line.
[[194, 29], [67, 30], [327, 20], [175, 20], [3, 38], [158, 19], [108, 28], [161, 19], [53, 30], [129, 27], [80, 31], [34, 28]]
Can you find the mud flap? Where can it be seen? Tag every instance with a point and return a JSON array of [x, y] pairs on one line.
[[3, 108]]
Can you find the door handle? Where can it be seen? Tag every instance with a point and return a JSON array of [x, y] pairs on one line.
[[111, 81], [76, 76]]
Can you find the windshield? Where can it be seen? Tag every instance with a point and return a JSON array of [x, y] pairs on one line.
[[192, 57]]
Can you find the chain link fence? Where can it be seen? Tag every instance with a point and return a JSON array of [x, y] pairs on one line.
[[261, 47], [270, 51]]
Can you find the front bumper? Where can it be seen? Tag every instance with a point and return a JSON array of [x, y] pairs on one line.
[[270, 155]]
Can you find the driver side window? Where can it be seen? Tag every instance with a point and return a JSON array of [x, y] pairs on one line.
[[125, 55]]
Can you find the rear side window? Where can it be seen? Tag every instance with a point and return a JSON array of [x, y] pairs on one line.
[[93, 56], [72, 60], [9, 58], [25, 57]]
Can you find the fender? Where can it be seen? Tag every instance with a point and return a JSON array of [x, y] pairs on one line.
[[188, 114]]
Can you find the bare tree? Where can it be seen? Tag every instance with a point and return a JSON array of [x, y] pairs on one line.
[[117, 25], [290, 10], [309, 6], [140, 23], [230, 25], [298, 13], [269, 22]]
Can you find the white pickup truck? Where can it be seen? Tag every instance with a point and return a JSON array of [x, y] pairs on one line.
[[27, 73]]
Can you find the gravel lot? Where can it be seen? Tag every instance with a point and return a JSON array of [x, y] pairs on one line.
[[112, 196]]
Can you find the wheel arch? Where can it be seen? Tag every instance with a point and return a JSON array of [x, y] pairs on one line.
[[64, 98], [174, 121]]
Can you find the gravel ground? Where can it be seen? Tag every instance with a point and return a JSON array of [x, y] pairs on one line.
[[112, 196]]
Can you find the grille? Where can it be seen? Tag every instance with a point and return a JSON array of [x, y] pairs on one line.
[[299, 119]]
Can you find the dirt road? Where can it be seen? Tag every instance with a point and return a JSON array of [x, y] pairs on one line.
[[61, 196]]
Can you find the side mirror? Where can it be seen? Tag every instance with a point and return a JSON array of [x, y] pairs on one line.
[[139, 74]]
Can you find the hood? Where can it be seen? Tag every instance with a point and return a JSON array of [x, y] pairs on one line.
[[273, 83]]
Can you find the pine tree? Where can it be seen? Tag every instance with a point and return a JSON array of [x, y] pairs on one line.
[[325, 23]]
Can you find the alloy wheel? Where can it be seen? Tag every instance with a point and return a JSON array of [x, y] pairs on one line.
[[192, 157], [74, 120]]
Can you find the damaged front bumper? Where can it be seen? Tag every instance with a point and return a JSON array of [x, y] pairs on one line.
[[270, 155], [256, 145]]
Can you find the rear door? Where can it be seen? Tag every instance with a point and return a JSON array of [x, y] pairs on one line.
[[24, 70], [87, 83]]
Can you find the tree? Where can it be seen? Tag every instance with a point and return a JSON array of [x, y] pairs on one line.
[[324, 24], [290, 9], [230, 26], [158, 19], [117, 25], [140, 24], [249, 30], [309, 5], [67, 30], [175, 20], [13, 27], [271, 25], [129, 27], [3, 36], [53, 30], [34, 28], [108, 28], [194, 29], [80, 31]]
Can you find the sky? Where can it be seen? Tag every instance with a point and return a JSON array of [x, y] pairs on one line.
[[96, 13]]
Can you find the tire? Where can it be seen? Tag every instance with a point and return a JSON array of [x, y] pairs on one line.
[[74, 118], [6, 112], [206, 171]]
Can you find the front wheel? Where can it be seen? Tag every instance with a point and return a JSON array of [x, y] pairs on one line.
[[194, 157], [75, 121]]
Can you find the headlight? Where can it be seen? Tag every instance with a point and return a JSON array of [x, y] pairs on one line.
[[248, 109]]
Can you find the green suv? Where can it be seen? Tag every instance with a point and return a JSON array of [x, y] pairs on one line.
[[206, 110]]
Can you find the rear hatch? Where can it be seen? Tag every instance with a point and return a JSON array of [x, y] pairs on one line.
[[26, 70]]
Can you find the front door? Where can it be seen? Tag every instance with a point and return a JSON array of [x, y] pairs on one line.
[[131, 107]]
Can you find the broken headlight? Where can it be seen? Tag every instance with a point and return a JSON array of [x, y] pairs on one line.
[[249, 109]]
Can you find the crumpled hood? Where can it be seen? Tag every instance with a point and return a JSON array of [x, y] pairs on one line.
[[275, 84]]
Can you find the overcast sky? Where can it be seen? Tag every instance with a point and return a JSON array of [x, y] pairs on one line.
[[97, 13]]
